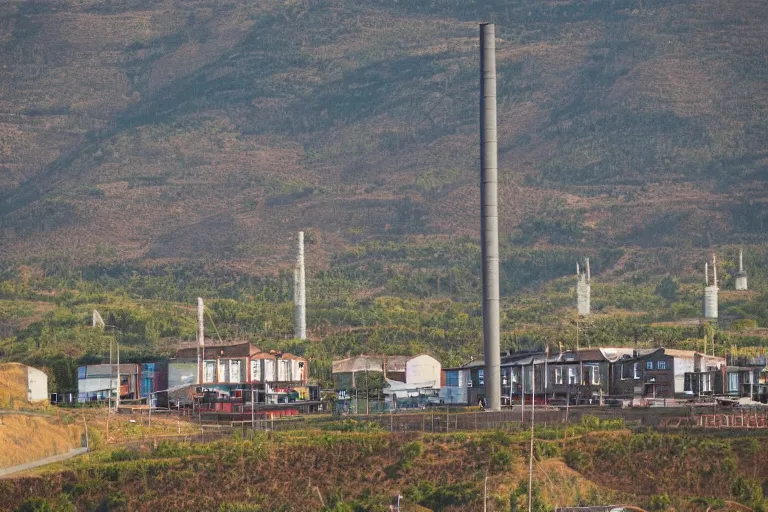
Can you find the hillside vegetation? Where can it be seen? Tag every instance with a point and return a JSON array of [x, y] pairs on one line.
[[210, 130], [356, 471], [156, 151]]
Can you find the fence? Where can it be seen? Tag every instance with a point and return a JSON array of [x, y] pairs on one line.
[[744, 419]]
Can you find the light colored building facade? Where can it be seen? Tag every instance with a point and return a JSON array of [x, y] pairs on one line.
[[95, 381], [236, 369], [422, 371]]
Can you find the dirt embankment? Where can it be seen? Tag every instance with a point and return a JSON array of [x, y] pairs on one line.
[[25, 438]]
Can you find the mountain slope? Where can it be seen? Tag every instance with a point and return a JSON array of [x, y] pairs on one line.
[[166, 130]]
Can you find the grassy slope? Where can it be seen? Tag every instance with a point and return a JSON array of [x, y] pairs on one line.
[[443, 472], [216, 127]]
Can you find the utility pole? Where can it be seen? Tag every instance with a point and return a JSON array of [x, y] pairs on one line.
[[530, 462], [117, 398]]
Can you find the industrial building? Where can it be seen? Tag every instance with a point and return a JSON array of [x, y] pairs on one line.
[[592, 375], [417, 372], [405, 377], [233, 372], [102, 381]]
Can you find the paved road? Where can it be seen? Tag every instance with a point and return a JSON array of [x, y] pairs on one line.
[[42, 462]]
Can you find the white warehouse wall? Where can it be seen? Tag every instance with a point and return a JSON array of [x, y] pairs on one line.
[[37, 385], [423, 368]]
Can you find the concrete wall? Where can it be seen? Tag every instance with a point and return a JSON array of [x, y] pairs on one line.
[[682, 365], [37, 385], [423, 368]]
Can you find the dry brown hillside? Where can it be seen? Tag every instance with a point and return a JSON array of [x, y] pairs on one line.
[[177, 129]]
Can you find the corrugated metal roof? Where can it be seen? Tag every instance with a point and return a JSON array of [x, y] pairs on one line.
[[371, 363]]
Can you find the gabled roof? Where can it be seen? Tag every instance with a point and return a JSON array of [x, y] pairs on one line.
[[371, 363]]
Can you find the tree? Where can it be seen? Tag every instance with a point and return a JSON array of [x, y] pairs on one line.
[[668, 289]]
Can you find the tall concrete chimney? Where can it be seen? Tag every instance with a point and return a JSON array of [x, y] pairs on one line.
[[489, 218], [200, 339], [300, 297]]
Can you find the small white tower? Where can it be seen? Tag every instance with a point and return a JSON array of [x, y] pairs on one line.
[[741, 276], [583, 290], [710, 292]]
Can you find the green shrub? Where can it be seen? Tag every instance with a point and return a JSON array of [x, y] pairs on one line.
[[436, 497], [501, 459], [412, 450], [121, 454], [576, 459], [659, 502], [544, 450], [34, 505], [747, 491]]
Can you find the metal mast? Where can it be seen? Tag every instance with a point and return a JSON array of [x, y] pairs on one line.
[[489, 220]]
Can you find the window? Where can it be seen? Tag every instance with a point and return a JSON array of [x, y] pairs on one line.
[[452, 379], [636, 371], [687, 387], [706, 382], [595, 375], [558, 375], [733, 382], [571, 376], [649, 365], [661, 365], [480, 378], [624, 372], [748, 378]]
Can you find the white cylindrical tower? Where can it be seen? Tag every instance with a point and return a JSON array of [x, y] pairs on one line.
[[710, 293], [300, 296], [741, 276], [583, 291]]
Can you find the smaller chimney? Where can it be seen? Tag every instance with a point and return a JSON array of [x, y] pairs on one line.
[[741, 260], [714, 271], [706, 273], [589, 280]]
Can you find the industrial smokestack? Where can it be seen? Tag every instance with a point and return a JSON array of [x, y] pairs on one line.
[[714, 271], [300, 297], [741, 260], [489, 218], [200, 339], [706, 273], [589, 277]]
